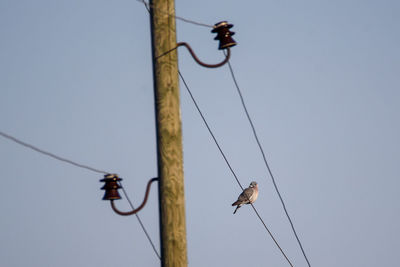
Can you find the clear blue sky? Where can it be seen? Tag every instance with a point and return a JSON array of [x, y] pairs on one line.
[[321, 80]]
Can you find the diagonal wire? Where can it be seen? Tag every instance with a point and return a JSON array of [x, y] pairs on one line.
[[12, 138], [229, 165], [266, 162], [148, 6], [140, 222]]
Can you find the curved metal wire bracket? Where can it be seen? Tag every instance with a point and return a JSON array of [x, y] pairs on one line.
[[227, 56], [126, 213]]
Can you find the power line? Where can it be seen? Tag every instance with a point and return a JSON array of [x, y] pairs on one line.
[[140, 222], [266, 162], [12, 138], [229, 165], [148, 6]]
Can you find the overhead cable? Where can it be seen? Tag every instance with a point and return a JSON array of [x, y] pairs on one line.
[[140, 222], [230, 167], [12, 138], [148, 7], [265, 161]]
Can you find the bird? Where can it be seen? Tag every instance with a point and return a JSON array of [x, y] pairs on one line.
[[249, 195]]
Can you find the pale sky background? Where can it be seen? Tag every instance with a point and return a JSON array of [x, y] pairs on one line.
[[321, 80]]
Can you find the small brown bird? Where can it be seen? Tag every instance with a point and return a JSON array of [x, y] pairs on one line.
[[249, 195]]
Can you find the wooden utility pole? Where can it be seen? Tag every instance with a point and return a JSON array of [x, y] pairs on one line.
[[169, 135]]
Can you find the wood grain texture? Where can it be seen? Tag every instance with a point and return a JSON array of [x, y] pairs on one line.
[[169, 132]]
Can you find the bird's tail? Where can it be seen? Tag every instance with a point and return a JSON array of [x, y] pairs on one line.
[[237, 207]]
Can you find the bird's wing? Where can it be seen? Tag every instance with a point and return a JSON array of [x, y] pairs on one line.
[[246, 195]]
